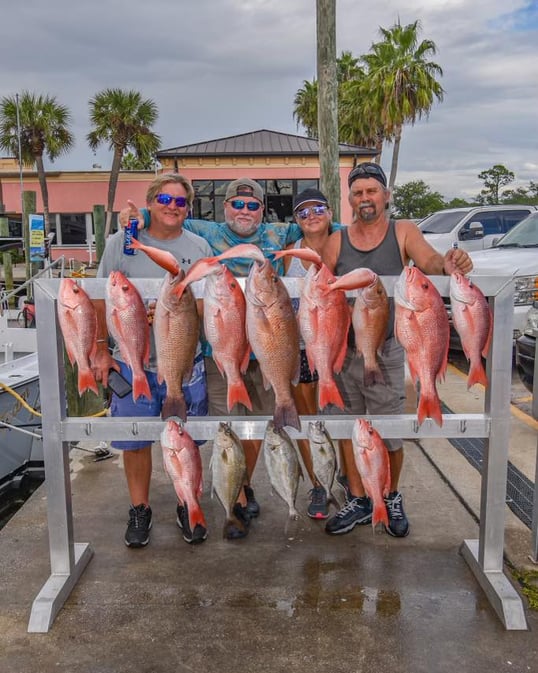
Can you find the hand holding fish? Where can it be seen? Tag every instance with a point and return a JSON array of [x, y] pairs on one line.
[[457, 260], [101, 364]]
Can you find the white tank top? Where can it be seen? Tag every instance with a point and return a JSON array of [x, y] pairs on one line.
[[296, 268]]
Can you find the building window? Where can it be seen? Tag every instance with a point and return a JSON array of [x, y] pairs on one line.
[[209, 198], [73, 228]]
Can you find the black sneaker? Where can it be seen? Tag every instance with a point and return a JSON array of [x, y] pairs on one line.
[[195, 536], [137, 533], [253, 507], [318, 508], [398, 523], [342, 480], [232, 531], [358, 511]]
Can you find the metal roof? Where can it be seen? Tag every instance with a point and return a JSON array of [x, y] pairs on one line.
[[260, 143]]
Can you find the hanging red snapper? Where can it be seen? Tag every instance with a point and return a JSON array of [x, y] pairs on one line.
[[127, 322], [78, 323], [273, 334], [421, 327], [176, 326], [473, 321], [370, 318], [372, 460], [183, 464]]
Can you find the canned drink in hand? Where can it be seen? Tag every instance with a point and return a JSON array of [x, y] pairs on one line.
[[130, 232]]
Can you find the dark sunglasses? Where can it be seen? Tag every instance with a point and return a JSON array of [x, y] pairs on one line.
[[166, 200], [368, 169], [315, 210], [239, 204]]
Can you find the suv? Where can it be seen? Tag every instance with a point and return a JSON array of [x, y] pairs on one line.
[[516, 255], [526, 349], [471, 228]]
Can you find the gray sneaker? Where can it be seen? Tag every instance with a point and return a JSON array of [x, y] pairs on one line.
[[398, 523], [137, 533], [357, 512]]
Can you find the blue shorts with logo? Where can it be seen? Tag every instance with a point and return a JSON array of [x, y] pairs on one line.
[[195, 392]]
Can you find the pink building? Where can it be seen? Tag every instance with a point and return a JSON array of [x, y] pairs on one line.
[[284, 164]]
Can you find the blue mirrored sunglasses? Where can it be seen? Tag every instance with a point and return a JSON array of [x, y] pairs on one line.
[[315, 210], [166, 200], [239, 204]]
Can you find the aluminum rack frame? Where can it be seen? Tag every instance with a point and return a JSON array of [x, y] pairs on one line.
[[68, 559]]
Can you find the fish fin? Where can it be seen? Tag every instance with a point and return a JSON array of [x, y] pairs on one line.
[[477, 374], [219, 365], [340, 357], [148, 346], [286, 414], [379, 514], [245, 361], [86, 381], [373, 375], [238, 394], [140, 386], [487, 345], [429, 406], [174, 406], [233, 523], [196, 516], [328, 393]]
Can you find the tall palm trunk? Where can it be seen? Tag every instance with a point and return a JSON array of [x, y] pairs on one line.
[[114, 174], [395, 153], [44, 191]]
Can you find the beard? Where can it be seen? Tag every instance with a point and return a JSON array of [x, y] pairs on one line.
[[367, 212], [243, 229]]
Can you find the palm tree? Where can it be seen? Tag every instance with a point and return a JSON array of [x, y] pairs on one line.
[[402, 82], [123, 120], [44, 129], [305, 108]]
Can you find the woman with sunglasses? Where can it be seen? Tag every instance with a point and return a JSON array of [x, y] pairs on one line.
[[243, 213], [169, 198], [313, 214]]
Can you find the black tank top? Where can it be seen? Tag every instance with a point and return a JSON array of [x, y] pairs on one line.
[[384, 259]]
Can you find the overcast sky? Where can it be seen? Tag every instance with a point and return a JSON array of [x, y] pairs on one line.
[[220, 67]]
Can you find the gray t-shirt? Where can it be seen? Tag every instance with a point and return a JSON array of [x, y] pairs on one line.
[[187, 248]]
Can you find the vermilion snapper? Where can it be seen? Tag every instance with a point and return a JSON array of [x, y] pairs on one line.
[[127, 322], [372, 460], [183, 464], [422, 328], [78, 324], [472, 319]]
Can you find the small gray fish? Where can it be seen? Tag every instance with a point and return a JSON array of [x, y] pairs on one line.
[[229, 472], [282, 465], [323, 454]]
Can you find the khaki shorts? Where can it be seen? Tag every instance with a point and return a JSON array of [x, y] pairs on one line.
[[378, 399], [263, 401]]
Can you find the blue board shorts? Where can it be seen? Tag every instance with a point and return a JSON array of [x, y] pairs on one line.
[[195, 392]]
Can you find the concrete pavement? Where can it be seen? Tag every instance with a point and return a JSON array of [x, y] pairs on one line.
[[287, 598]]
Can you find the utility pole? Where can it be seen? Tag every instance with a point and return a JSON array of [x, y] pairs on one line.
[[329, 157]]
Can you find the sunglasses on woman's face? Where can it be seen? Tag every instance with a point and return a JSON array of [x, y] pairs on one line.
[[315, 210], [166, 200], [239, 204]]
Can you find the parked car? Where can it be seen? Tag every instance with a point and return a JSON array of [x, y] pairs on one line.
[[526, 349], [471, 228], [515, 254]]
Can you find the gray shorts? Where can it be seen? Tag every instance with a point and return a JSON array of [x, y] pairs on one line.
[[263, 401], [377, 399]]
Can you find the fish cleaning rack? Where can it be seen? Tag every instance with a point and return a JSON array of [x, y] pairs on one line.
[[68, 558]]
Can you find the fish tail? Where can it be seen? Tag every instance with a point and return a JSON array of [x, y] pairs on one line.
[[379, 513], [174, 406], [196, 516], [233, 524], [238, 394], [373, 375], [286, 414], [86, 381], [429, 406], [140, 386], [329, 394], [477, 374]]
